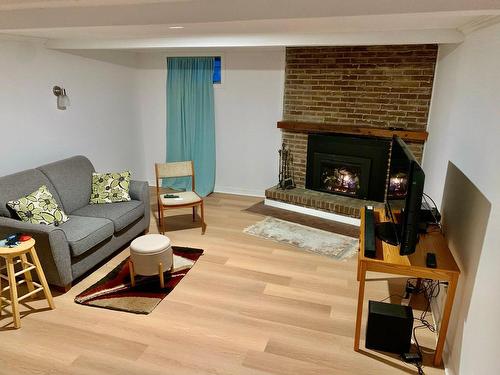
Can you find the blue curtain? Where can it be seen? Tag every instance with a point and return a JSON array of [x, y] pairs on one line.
[[191, 120]]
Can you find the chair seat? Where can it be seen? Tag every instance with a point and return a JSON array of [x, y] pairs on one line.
[[185, 197]]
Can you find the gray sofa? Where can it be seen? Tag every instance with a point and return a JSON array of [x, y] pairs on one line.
[[93, 232]]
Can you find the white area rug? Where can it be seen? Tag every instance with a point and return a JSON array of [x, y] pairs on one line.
[[314, 240]]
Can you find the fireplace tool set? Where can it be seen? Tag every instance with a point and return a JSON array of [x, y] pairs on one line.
[[285, 168]]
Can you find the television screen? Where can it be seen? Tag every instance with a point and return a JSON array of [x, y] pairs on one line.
[[404, 196]]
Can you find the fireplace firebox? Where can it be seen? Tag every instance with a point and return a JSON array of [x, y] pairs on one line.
[[351, 166], [341, 174]]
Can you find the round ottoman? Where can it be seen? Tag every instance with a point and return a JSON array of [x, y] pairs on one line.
[[150, 255]]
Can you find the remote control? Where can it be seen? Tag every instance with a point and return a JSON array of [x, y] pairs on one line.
[[171, 196], [430, 261]]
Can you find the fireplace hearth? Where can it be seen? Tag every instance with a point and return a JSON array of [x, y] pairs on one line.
[[351, 166]]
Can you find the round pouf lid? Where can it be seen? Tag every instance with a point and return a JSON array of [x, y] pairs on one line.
[[150, 244]]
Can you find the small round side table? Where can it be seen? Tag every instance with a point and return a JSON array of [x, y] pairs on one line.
[[21, 251]]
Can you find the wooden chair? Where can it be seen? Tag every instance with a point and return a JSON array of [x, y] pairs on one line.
[[186, 198]]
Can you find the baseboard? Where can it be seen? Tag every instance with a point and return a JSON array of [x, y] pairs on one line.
[[239, 191], [313, 212]]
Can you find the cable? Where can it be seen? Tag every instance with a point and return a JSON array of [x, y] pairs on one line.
[[436, 221], [432, 200]]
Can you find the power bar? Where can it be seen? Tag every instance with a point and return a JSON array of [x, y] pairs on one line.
[[411, 357]]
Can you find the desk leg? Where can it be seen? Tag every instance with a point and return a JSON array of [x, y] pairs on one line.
[[361, 295], [358, 270], [452, 287]]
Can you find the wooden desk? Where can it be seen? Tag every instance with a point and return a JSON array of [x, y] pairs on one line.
[[388, 260]]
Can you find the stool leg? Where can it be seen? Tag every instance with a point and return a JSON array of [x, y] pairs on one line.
[[13, 293], [132, 274], [41, 276], [162, 280], [27, 274], [194, 213]]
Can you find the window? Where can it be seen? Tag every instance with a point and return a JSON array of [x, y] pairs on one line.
[[217, 78]]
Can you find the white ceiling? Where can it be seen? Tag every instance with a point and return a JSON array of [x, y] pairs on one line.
[[139, 24]]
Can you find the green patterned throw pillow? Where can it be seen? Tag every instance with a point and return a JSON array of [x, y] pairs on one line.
[[110, 187], [39, 207]]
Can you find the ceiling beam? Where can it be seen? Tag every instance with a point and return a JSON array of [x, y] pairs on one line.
[[437, 36]]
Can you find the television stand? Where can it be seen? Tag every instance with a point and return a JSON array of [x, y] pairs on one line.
[[388, 232], [387, 260]]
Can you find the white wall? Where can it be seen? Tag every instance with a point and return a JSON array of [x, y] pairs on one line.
[[464, 129], [117, 115], [101, 122], [247, 106]]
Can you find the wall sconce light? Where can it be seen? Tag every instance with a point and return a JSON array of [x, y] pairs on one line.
[[62, 98]]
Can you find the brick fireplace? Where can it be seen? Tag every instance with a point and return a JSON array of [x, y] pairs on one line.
[[376, 90]]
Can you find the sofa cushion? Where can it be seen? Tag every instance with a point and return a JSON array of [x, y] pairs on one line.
[[72, 178], [121, 214], [39, 207], [20, 184], [83, 233], [110, 187]]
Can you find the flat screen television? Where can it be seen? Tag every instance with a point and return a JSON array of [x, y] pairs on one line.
[[405, 188]]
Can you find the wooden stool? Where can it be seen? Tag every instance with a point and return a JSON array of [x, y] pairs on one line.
[[150, 255], [21, 251]]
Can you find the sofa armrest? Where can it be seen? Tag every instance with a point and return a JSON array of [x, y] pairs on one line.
[[51, 246], [139, 190]]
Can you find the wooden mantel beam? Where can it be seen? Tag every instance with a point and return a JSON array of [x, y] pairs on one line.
[[360, 130]]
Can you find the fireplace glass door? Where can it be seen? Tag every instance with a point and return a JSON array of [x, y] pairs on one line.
[[341, 174]]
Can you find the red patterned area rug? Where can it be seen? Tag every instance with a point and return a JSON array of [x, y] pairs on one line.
[[114, 291]]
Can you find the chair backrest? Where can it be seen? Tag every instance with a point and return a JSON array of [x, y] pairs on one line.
[[174, 169]]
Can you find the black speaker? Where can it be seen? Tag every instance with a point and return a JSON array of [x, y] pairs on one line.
[[389, 327], [370, 247]]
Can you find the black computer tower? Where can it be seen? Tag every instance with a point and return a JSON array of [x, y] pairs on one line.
[[389, 327]]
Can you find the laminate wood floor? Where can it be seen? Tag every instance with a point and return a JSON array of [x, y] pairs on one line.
[[249, 306]]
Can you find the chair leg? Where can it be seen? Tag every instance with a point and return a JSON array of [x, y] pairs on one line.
[[27, 274], [160, 272], [159, 211], [41, 277], [203, 225], [163, 220], [194, 214], [13, 293]]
